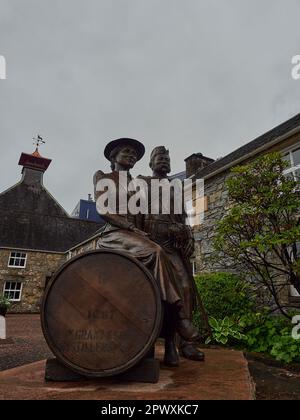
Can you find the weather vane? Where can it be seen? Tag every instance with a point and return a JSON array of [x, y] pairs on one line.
[[38, 141]]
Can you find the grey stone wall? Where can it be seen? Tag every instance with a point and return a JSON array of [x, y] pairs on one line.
[[217, 204]]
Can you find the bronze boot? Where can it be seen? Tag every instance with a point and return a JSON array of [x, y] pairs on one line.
[[171, 358], [190, 351]]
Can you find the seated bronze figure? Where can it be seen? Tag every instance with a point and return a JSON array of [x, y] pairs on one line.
[[123, 232]]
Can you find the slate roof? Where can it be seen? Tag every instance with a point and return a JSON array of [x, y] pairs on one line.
[[42, 232], [179, 175], [30, 218], [260, 141]]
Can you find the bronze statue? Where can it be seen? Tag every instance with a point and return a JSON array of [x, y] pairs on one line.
[[176, 238], [122, 233]]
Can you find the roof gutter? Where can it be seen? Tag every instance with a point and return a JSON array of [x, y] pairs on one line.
[[32, 250], [254, 152]]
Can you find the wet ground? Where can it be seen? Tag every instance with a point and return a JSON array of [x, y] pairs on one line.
[[26, 345], [274, 383]]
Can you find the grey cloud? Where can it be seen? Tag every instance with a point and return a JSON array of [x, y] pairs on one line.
[[199, 76]]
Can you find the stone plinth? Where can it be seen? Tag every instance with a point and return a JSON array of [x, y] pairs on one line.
[[224, 376]]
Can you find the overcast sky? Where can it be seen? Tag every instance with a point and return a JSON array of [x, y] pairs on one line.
[[197, 76]]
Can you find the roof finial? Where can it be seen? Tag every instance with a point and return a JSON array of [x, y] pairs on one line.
[[37, 141]]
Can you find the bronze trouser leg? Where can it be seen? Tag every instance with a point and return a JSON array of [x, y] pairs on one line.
[[158, 262]]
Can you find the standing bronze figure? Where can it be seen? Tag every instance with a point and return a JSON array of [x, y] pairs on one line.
[[122, 233], [170, 231]]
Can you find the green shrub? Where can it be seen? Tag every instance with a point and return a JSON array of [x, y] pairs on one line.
[[271, 335], [286, 349], [224, 331], [225, 295], [4, 302], [230, 304]]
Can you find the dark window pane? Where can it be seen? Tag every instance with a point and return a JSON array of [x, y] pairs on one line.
[[7, 285], [13, 286], [6, 294], [296, 157], [287, 157], [17, 295]]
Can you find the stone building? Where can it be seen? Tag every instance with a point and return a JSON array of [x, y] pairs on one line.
[[284, 138], [36, 234]]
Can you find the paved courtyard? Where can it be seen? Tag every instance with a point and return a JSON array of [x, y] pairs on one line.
[[25, 342]]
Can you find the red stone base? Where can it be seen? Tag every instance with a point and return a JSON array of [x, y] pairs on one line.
[[223, 376]]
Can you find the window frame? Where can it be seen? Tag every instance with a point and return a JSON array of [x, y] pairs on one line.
[[292, 291], [6, 290], [294, 168], [15, 258]]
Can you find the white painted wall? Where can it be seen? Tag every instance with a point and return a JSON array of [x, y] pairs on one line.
[[2, 328]]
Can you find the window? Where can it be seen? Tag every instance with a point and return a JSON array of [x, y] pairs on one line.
[[194, 267], [195, 211], [293, 291], [13, 290], [17, 259], [293, 157]]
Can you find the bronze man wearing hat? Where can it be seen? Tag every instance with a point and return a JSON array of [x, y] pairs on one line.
[[121, 233]]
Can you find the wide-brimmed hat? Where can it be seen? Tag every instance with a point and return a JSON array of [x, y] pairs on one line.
[[137, 145]]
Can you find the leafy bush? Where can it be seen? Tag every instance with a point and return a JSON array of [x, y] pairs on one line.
[[225, 295], [260, 230], [230, 305], [224, 330], [4, 302], [286, 349], [271, 335]]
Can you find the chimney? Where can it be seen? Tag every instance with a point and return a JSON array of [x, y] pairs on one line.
[[195, 163], [34, 167]]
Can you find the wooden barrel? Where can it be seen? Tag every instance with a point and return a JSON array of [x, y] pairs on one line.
[[101, 313]]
